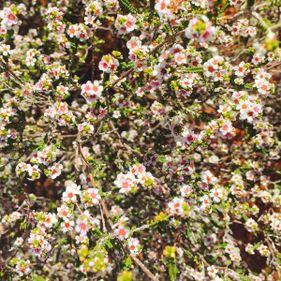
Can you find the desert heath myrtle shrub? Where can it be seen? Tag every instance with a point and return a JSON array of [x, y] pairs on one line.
[[139, 140]]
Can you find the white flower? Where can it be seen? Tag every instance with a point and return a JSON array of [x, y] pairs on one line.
[[50, 220], [33, 172], [250, 249], [108, 64], [205, 202], [217, 194], [157, 108], [188, 136], [134, 245], [187, 81], [71, 192], [91, 196], [241, 70], [177, 206], [126, 182], [18, 242], [212, 271], [251, 225], [5, 50], [133, 44], [186, 190], [137, 169], [67, 225], [226, 128], [207, 177], [162, 8], [263, 250], [55, 170], [23, 267]]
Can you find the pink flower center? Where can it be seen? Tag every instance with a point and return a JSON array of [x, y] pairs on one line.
[[11, 17]]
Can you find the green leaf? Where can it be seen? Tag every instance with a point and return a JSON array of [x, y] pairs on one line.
[[36, 277], [194, 69], [108, 244], [127, 6], [127, 263], [172, 270]]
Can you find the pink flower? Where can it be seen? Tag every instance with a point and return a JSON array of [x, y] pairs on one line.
[[81, 227], [108, 64], [91, 196], [126, 182], [133, 43], [162, 8], [64, 212], [122, 232], [9, 18], [92, 91], [125, 23]]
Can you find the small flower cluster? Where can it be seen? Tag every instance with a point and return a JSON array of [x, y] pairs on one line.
[[138, 53], [45, 157], [136, 176], [248, 106], [8, 111], [125, 23], [217, 69], [262, 83], [91, 91], [108, 64], [78, 31], [243, 28], [200, 28]]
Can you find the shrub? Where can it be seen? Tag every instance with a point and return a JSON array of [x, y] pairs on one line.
[[139, 140]]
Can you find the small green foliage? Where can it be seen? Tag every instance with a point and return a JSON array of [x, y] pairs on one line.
[[169, 252], [36, 277], [125, 276]]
